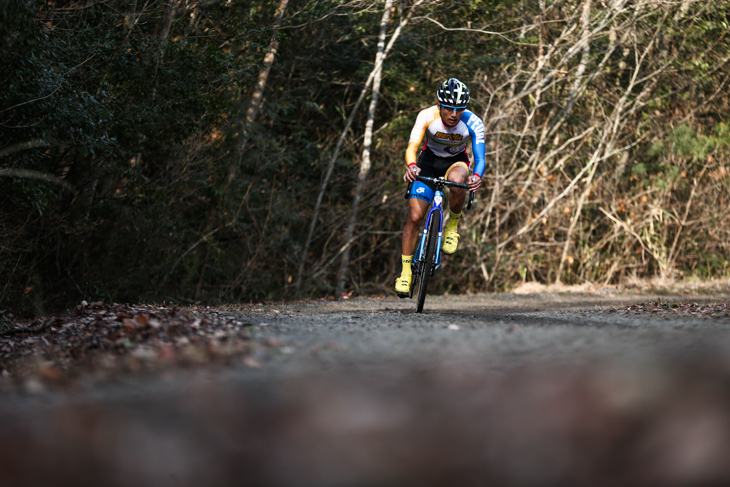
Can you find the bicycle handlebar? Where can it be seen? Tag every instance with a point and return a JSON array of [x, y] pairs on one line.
[[446, 182], [442, 181]]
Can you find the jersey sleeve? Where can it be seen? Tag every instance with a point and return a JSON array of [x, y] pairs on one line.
[[424, 119], [476, 130]]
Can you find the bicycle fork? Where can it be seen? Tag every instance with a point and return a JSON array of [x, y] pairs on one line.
[[420, 254]]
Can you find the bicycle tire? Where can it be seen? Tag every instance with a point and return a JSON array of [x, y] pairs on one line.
[[416, 280], [429, 262]]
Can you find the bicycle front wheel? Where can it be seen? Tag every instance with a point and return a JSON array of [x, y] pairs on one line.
[[429, 261]]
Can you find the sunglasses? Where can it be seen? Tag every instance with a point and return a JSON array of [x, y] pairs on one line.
[[453, 109]]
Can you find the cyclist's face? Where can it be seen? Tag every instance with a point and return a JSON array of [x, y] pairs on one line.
[[450, 115]]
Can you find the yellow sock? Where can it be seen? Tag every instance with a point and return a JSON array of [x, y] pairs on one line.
[[453, 221], [406, 260]]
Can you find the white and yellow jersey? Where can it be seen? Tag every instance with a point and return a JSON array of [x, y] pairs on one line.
[[447, 141]]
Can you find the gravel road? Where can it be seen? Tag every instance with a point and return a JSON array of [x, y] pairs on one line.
[[542, 389]]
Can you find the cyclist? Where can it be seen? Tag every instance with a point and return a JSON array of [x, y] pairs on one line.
[[447, 126]]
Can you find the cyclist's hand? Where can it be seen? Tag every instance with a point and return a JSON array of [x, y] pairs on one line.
[[475, 182], [411, 173]]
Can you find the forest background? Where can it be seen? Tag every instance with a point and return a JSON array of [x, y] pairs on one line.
[[224, 151]]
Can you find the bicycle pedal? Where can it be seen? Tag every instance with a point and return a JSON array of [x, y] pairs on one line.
[[403, 295]]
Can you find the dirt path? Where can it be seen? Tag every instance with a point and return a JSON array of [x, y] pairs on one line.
[[544, 389]]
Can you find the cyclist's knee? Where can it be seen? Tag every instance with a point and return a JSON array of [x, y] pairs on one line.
[[415, 217], [416, 209], [457, 167], [457, 174]]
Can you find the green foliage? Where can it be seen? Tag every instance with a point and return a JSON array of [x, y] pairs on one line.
[[689, 142]]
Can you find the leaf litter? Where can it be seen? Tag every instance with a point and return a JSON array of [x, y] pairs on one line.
[[717, 310], [104, 342]]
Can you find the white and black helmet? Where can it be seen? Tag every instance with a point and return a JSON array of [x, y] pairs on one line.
[[453, 93]]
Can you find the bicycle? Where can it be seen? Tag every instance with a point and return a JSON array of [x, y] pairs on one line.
[[427, 257]]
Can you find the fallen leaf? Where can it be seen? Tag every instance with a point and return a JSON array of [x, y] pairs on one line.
[[142, 319], [251, 362]]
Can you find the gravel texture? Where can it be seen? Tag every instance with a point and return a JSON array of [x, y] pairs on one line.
[[545, 389]]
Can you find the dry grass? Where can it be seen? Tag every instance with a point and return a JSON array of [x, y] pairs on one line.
[[657, 284]]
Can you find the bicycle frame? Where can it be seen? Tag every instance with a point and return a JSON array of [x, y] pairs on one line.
[[427, 257], [438, 200]]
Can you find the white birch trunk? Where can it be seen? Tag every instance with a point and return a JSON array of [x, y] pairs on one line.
[[338, 147], [365, 165]]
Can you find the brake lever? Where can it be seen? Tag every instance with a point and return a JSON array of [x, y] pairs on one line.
[[471, 197]]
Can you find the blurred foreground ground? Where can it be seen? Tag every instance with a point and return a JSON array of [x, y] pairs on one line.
[[549, 388]]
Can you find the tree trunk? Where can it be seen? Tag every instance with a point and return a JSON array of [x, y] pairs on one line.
[[168, 17], [585, 22], [130, 20], [254, 104], [365, 165], [338, 147]]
